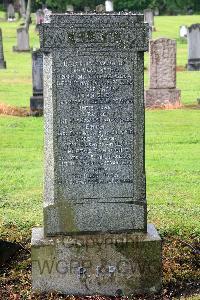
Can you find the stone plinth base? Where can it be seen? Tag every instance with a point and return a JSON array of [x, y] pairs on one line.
[[2, 64], [164, 98], [104, 264], [16, 49], [36, 105]]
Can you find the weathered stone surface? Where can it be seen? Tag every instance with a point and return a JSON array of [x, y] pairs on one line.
[[2, 61], [96, 167], [22, 40], [94, 188], [108, 264], [194, 47], [162, 74]]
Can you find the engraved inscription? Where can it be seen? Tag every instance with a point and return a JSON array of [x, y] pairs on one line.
[[95, 130]]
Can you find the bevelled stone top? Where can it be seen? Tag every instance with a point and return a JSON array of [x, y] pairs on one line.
[[193, 27], [89, 30]]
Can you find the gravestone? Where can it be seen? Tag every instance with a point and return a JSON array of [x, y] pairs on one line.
[[156, 11], [194, 47], [36, 101], [149, 18], [95, 237], [100, 8], [69, 8], [109, 6], [2, 61], [22, 40], [183, 32], [10, 13], [162, 91], [86, 8], [39, 16]]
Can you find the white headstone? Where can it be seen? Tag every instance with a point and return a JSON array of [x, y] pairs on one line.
[[183, 31], [109, 5]]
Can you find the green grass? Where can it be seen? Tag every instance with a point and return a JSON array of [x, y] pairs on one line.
[[16, 80], [21, 170], [172, 145]]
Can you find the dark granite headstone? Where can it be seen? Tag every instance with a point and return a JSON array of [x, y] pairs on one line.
[[94, 159], [36, 101], [2, 61]]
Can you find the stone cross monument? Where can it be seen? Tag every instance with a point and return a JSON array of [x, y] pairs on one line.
[[95, 238], [2, 61], [193, 47], [36, 101], [162, 91]]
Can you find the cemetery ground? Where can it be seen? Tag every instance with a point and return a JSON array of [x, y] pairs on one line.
[[172, 169]]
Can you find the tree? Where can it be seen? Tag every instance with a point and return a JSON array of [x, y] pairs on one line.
[[28, 15]]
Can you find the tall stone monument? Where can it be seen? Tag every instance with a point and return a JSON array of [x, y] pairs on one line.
[[95, 238], [22, 40], [36, 101], [2, 61], [194, 47], [162, 91]]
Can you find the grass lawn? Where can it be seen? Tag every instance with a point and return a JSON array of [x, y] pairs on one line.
[[172, 150]]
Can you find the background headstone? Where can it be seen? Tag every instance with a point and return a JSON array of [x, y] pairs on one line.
[[22, 40], [194, 47], [2, 61], [149, 18], [100, 8], [109, 6], [10, 12], [95, 191], [39, 16], [36, 101], [86, 9], [69, 8], [183, 32], [162, 91], [156, 11]]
